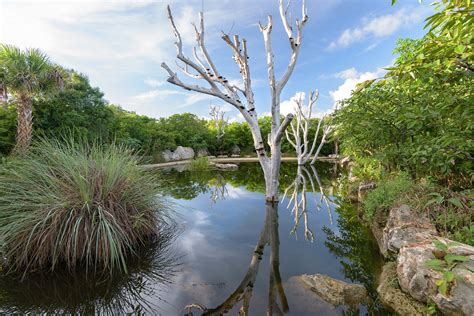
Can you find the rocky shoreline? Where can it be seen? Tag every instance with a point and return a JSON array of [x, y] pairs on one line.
[[408, 283]]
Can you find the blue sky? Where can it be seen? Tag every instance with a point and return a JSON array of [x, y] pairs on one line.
[[120, 45]]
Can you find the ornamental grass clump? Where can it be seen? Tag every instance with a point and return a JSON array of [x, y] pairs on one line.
[[72, 203]]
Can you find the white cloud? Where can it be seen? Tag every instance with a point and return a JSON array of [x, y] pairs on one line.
[[288, 106], [371, 46], [154, 83], [347, 73], [238, 118], [154, 94], [380, 26], [345, 89]]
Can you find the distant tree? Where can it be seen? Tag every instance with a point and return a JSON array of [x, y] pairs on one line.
[[27, 74], [79, 107]]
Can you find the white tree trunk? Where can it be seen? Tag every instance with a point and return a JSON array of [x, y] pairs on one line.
[[204, 68], [297, 134]]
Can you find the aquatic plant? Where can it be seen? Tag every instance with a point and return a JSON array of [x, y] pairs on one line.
[[137, 292], [200, 164], [73, 203]]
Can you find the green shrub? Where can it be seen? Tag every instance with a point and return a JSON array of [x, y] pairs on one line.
[[200, 164], [368, 168], [387, 192], [450, 211], [76, 204]]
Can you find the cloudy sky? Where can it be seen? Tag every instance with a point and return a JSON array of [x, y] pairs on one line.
[[120, 45]]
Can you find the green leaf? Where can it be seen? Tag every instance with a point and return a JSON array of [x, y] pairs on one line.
[[452, 258], [459, 49], [455, 202], [443, 288], [448, 276], [440, 245], [435, 264]]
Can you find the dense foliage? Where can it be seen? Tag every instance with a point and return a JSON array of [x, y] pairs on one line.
[[86, 205], [25, 74], [81, 108], [418, 118]]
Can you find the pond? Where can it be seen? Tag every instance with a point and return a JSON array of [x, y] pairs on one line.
[[228, 251]]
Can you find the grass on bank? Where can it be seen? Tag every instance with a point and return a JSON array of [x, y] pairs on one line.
[[200, 164], [76, 204], [451, 212]]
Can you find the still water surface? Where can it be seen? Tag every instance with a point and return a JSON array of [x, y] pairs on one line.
[[225, 239]]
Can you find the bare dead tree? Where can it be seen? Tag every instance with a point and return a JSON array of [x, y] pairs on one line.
[[277, 302], [203, 68], [298, 133], [217, 117]]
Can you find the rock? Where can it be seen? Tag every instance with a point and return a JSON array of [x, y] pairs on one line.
[[202, 152], [235, 156], [419, 281], [167, 155], [183, 153], [403, 227], [391, 296], [226, 166], [235, 150], [302, 299], [334, 291], [363, 188], [222, 156]]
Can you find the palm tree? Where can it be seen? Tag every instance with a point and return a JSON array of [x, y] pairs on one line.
[[27, 74]]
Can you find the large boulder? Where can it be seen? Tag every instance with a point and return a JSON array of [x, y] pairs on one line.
[[167, 155], [390, 294], [419, 281], [404, 227], [183, 153], [334, 291], [235, 150]]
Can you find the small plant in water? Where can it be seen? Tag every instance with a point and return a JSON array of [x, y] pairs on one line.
[[76, 204], [200, 164], [445, 263]]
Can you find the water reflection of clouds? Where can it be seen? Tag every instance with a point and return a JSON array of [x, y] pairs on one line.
[[238, 192]]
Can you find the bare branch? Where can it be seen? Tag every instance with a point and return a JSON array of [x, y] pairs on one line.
[[283, 126], [295, 40]]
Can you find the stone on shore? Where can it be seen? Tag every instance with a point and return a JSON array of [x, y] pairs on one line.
[[419, 281], [404, 226], [181, 153], [391, 295], [334, 291], [226, 166]]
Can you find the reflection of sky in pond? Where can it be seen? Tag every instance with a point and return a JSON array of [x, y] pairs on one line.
[[219, 239], [215, 247]]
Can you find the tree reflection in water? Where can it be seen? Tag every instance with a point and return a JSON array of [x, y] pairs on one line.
[[277, 302], [296, 192], [82, 293], [358, 252], [218, 188]]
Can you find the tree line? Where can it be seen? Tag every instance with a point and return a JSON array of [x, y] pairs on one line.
[[81, 109]]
